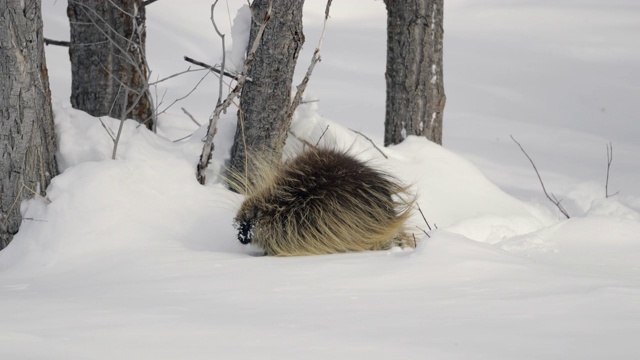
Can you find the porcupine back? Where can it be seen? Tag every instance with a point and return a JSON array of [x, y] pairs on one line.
[[323, 201]]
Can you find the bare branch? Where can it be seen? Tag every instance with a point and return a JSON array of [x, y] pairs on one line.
[[158, 101], [421, 229], [138, 60], [123, 116], [322, 135], [609, 160], [213, 68], [303, 141], [551, 197], [121, 9], [185, 96], [18, 199], [326, 11], [189, 70], [148, 2], [109, 132], [56, 42], [120, 83], [314, 60], [114, 101], [423, 217], [224, 55], [191, 116], [34, 220], [183, 138], [44, 198], [208, 146], [371, 141]]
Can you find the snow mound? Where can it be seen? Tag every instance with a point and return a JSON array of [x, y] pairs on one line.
[[146, 200], [452, 193], [606, 240]]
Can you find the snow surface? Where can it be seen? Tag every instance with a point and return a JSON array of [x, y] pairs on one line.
[[133, 259]]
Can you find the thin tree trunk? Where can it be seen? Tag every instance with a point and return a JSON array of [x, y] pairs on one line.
[[262, 122], [107, 52], [27, 139], [415, 88]]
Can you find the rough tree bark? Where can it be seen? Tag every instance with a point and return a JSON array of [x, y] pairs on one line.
[[107, 52], [262, 122], [415, 89], [27, 140]]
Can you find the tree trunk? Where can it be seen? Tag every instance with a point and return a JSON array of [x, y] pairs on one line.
[[415, 89], [107, 52], [27, 139], [262, 122]]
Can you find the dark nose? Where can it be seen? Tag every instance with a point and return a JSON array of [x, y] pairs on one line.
[[245, 231]]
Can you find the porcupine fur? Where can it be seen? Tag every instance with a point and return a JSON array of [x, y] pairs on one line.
[[322, 201]]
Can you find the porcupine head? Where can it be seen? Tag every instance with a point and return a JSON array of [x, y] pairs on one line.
[[245, 223], [252, 208]]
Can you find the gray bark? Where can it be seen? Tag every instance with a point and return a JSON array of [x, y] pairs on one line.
[[263, 123], [107, 53], [27, 140], [415, 89]]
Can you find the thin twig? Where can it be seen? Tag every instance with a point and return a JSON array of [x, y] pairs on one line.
[[122, 10], [183, 138], [371, 141], [244, 145], [191, 117], [224, 55], [551, 197], [123, 116], [157, 102], [322, 135], [18, 198], [148, 2], [423, 217], [303, 141], [46, 199], [109, 132], [415, 242], [421, 229], [34, 220], [184, 96], [609, 160], [314, 60], [213, 68], [115, 98], [189, 70], [56, 42]]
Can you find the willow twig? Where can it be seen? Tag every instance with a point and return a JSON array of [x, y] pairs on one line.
[[551, 197], [371, 141]]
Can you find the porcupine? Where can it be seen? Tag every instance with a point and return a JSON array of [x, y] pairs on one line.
[[322, 201]]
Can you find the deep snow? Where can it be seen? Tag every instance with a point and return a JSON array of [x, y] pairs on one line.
[[134, 259]]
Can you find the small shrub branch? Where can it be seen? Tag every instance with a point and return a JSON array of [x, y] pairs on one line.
[[551, 197]]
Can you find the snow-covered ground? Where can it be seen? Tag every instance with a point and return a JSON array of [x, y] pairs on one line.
[[133, 259]]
